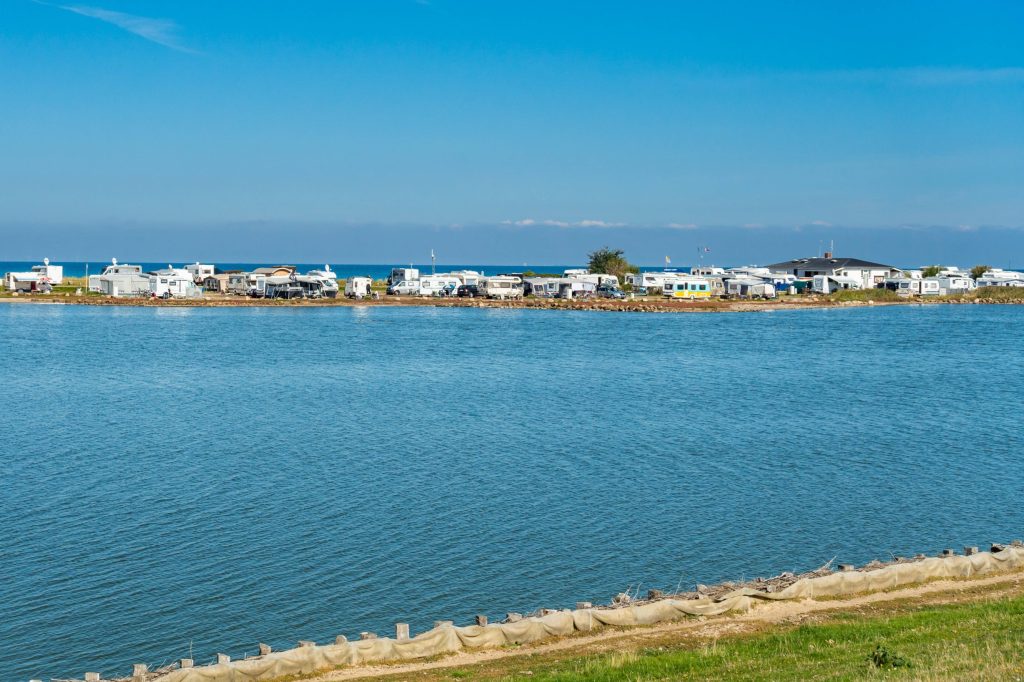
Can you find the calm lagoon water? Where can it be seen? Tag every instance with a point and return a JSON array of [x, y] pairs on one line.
[[176, 479]]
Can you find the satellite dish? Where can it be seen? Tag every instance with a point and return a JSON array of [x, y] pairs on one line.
[[46, 261], [113, 261]]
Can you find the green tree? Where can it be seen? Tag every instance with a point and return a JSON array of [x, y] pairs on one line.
[[979, 270], [608, 261], [930, 271]]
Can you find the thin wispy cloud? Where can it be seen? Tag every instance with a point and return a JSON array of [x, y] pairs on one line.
[[160, 31], [530, 222], [682, 226]]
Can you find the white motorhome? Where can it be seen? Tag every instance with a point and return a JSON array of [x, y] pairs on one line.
[[438, 285], [172, 283], [40, 278], [121, 280], [328, 280], [645, 282], [467, 277], [200, 271], [358, 287], [399, 275], [501, 287], [257, 284]]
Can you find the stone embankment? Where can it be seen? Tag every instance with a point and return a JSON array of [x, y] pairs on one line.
[[625, 610]]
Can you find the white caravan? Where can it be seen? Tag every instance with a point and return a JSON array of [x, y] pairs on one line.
[[328, 280], [358, 287], [925, 286], [438, 285], [501, 287], [955, 283]]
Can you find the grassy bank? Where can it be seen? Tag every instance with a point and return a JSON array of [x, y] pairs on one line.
[[980, 635]]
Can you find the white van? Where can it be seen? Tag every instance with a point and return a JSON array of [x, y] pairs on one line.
[[358, 287], [501, 287], [405, 288]]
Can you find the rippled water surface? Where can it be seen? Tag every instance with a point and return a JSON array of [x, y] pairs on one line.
[[176, 479]]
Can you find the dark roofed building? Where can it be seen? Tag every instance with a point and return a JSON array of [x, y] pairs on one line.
[[869, 273]]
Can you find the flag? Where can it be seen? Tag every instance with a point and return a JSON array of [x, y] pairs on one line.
[[668, 261]]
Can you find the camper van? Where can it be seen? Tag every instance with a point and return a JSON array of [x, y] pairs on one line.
[[172, 283], [257, 287], [438, 285], [501, 287], [358, 287], [328, 281], [689, 287], [405, 287]]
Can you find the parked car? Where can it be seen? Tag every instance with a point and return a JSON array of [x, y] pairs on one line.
[[468, 291], [610, 292]]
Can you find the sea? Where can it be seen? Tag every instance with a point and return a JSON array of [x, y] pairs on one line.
[[182, 482]]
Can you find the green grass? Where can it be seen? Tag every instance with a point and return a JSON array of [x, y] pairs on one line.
[[865, 295], [911, 641]]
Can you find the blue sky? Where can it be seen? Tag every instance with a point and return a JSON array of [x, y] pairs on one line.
[[369, 128]]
